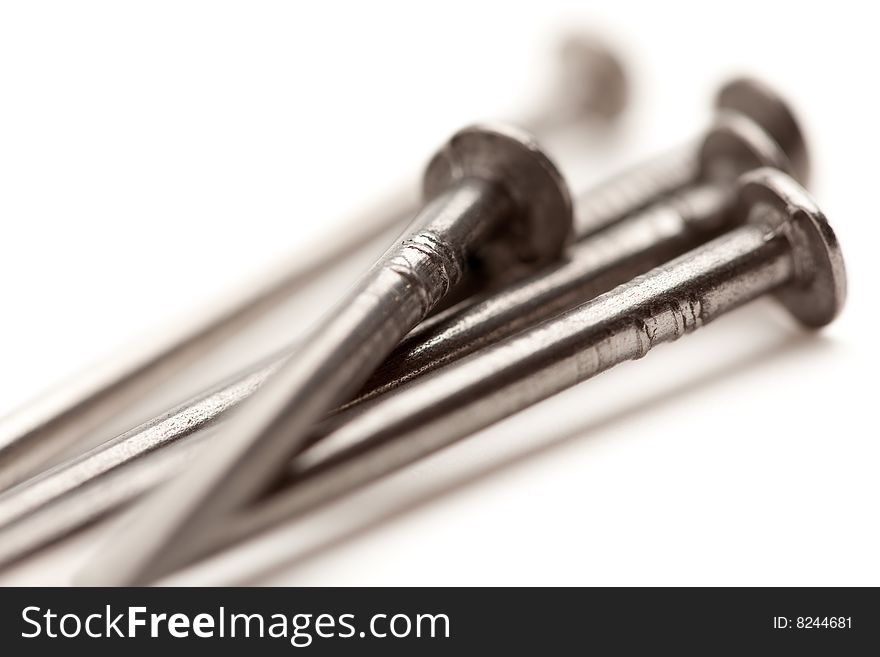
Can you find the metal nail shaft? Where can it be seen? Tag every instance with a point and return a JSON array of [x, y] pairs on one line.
[[86, 488], [485, 185], [595, 264], [593, 88], [612, 256], [785, 248]]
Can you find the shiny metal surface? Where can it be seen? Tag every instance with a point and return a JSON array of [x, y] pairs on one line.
[[755, 99], [84, 489], [487, 184], [674, 223], [634, 245], [636, 188], [592, 87], [57, 421], [785, 248]]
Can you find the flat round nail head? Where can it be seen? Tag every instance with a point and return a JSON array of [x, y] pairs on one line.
[[593, 76], [736, 144], [764, 106], [818, 291], [542, 218]]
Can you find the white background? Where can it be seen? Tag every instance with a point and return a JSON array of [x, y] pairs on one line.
[[154, 154]]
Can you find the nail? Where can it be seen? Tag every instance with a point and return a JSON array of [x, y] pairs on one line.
[[68, 416], [46, 508], [485, 185], [758, 101], [594, 265], [671, 172], [591, 84], [785, 248]]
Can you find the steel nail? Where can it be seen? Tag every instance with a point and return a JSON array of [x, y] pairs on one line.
[[487, 184], [611, 256], [674, 223], [592, 89], [785, 248]]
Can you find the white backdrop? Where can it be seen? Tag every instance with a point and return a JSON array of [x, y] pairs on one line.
[[154, 154]]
